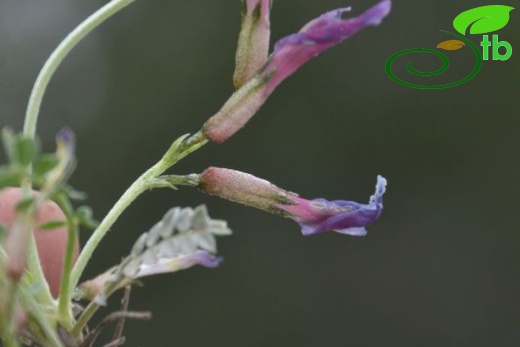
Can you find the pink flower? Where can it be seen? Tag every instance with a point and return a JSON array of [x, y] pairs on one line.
[[320, 34], [290, 53], [314, 216]]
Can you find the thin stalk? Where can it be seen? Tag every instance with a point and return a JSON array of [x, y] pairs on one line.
[[57, 56], [178, 150], [138, 187], [30, 305], [10, 340], [65, 300], [91, 309], [33, 110], [37, 278]]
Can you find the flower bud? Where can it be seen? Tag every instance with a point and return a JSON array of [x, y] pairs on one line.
[[16, 245], [65, 149], [237, 111], [253, 41], [243, 188]]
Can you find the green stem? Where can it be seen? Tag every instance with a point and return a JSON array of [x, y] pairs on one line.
[[43, 296], [178, 150], [34, 308], [92, 308], [57, 56], [9, 340], [65, 300], [33, 109], [138, 187]]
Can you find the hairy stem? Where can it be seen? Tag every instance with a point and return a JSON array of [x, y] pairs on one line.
[[65, 300], [33, 109], [34, 308], [91, 309], [178, 150]]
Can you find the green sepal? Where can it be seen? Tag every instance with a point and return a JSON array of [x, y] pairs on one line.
[[25, 150]]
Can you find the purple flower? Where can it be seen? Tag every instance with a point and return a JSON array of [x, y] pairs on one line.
[[65, 147], [290, 53], [181, 262], [345, 217], [314, 216], [324, 32]]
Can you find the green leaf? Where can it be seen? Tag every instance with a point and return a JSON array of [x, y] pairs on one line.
[[73, 194], [9, 178], [482, 20], [52, 225], [24, 204], [84, 217], [24, 150], [45, 163]]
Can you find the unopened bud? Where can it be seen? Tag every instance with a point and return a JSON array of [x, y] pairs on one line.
[[237, 111], [244, 188], [16, 246], [253, 41]]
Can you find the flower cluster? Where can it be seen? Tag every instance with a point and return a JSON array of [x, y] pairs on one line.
[[289, 54]]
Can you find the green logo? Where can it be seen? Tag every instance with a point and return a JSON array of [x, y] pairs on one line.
[[479, 20]]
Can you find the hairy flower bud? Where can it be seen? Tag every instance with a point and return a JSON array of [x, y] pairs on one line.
[[243, 188], [253, 41]]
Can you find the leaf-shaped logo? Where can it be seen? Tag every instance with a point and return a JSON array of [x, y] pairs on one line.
[[482, 20], [451, 45]]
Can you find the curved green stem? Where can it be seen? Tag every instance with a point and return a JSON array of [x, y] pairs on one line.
[[178, 150], [57, 56], [92, 308], [65, 315], [37, 277], [33, 109], [47, 328], [138, 187]]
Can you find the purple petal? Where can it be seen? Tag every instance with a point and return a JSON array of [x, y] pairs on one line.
[[66, 139], [346, 217], [166, 265], [291, 52], [204, 258]]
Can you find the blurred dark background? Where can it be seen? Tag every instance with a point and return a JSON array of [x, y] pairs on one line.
[[441, 266]]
